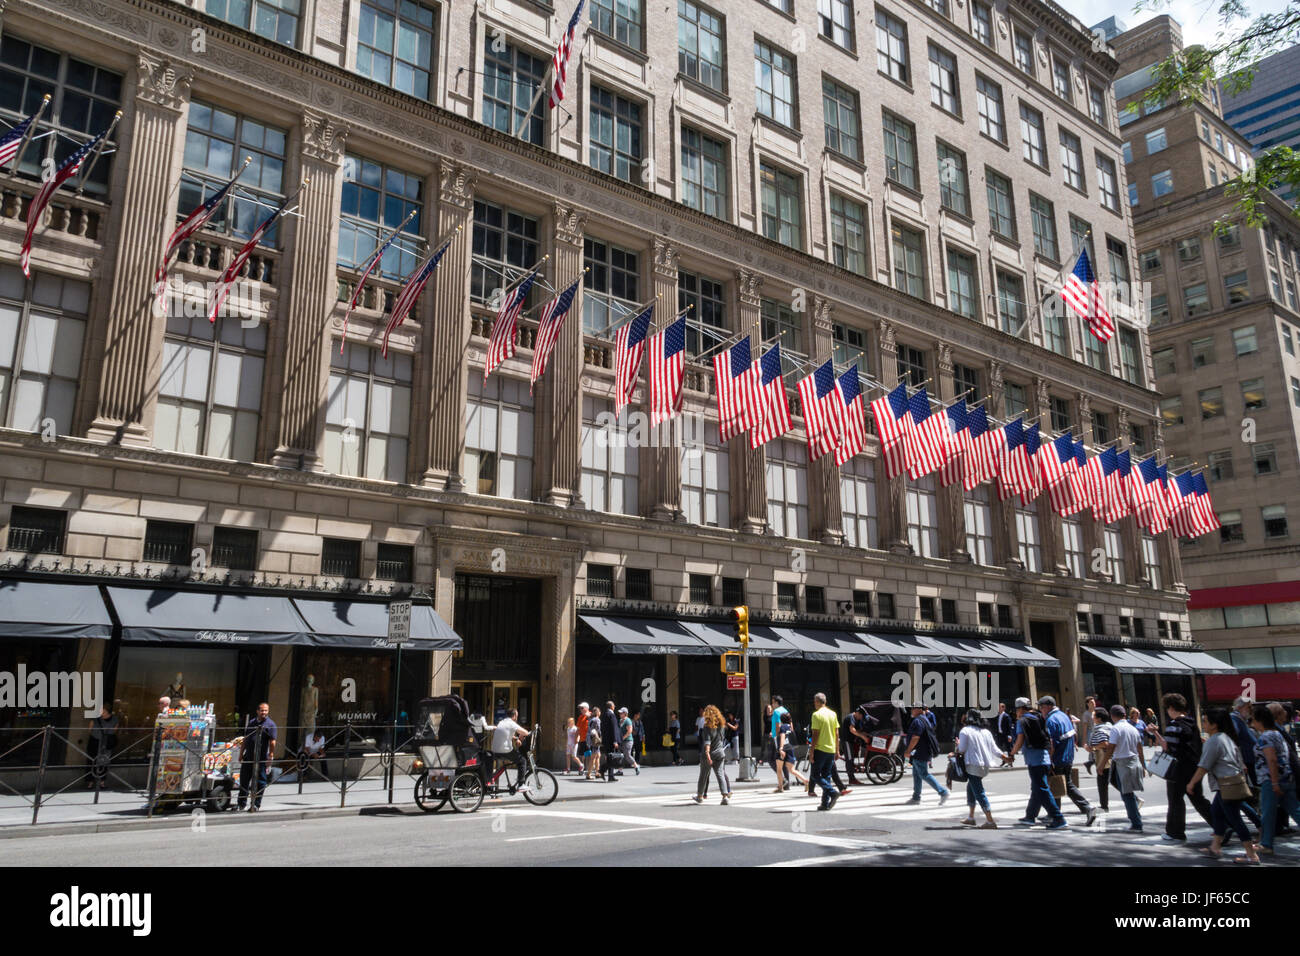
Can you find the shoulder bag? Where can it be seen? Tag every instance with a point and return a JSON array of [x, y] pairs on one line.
[[1162, 765]]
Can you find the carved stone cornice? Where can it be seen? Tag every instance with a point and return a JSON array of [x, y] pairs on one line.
[[456, 184], [322, 138], [748, 283], [570, 224], [944, 353], [159, 82], [887, 341], [665, 263]]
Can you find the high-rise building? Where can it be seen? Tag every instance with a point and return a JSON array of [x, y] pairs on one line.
[[1225, 328], [743, 160], [1268, 113]]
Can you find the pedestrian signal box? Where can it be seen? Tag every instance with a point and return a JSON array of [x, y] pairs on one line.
[[733, 663]]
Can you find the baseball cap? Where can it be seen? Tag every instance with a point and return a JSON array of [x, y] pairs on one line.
[[622, 710], [1047, 701], [917, 705], [1242, 702], [1022, 702]]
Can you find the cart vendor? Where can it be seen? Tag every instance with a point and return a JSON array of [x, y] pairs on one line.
[[258, 753]]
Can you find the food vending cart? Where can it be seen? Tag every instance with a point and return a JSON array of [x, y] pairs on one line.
[[188, 766]]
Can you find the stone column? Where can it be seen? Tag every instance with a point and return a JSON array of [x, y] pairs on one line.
[[892, 517], [129, 357], [664, 489], [1093, 530], [952, 506], [749, 465], [1049, 523], [445, 335], [1002, 514], [559, 392], [301, 335], [825, 516]]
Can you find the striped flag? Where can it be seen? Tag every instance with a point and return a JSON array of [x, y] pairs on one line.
[[774, 420], [406, 299], [505, 330], [560, 62], [241, 258], [823, 417], [1207, 517], [12, 141], [667, 370], [1096, 478], [1082, 293], [1080, 485], [629, 349], [986, 449], [849, 390], [375, 258], [1139, 495], [188, 227], [892, 419], [1184, 518], [67, 169], [549, 326], [1033, 443], [1181, 495], [1009, 478], [1152, 512], [959, 443], [925, 442], [1116, 481], [1056, 464], [1172, 504], [736, 379]]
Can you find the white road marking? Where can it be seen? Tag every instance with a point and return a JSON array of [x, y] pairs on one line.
[[561, 836]]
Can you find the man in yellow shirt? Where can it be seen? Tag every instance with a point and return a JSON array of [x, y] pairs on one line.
[[825, 745]]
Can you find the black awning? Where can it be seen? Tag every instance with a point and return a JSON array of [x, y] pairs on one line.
[[1202, 662], [763, 641], [50, 609], [635, 635], [207, 617], [1022, 655], [968, 650], [1131, 660], [819, 645], [904, 649], [363, 625]]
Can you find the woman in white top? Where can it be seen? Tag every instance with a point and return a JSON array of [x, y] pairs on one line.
[[571, 747], [976, 747]]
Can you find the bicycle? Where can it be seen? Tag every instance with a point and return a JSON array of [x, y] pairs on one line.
[[539, 786]]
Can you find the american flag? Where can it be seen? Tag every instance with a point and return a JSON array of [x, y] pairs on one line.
[[1172, 504], [986, 449], [505, 330], [1139, 495], [1057, 464], [892, 418], [12, 141], [775, 418], [406, 299], [667, 369], [736, 378], [1011, 479], [959, 443], [1154, 513], [849, 389], [823, 416], [188, 227], [1031, 448], [241, 257], [1197, 517], [1117, 499], [1209, 519], [629, 349], [560, 62], [1080, 485], [549, 325], [1095, 474], [67, 169], [373, 261], [1182, 494], [925, 442], [1082, 293]]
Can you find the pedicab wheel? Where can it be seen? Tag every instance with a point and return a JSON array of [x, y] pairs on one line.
[[542, 788], [880, 769], [426, 798], [466, 792], [898, 767]]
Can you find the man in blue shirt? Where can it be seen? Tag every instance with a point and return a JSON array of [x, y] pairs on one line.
[[920, 752], [1031, 736], [257, 755], [1060, 729]]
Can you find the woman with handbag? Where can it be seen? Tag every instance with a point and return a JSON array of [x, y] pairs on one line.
[[674, 736], [713, 754], [974, 755], [1275, 773], [1099, 749], [1221, 761]]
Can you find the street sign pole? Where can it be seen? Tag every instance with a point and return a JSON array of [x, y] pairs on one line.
[[747, 764], [399, 632]]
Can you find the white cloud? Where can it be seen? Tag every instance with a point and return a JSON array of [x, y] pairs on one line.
[[1198, 18]]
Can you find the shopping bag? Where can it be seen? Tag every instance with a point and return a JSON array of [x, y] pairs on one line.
[[667, 740]]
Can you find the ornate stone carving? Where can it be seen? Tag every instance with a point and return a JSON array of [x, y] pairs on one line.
[[322, 139], [162, 82], [822, 314], [569, 224], [995, 376], [944, 351], [1084, 401], [748, 283], [887, 342], [1041, 401], [665, 258], [1121, 419], [456, 185]]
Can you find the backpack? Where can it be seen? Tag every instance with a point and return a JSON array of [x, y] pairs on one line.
[[1034, 730], [932, 741]]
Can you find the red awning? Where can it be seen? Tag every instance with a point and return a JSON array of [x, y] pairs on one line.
[[1273, 592], [1225, 689]]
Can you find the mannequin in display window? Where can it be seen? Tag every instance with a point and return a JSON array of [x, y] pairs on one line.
[[308, 703], [176, 690]]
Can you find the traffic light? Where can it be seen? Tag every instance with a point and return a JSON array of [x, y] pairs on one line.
[[740, 615]]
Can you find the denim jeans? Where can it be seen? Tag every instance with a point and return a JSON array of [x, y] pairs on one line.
[[1268, 804], [921, 773], [975, 793], [1227, 813], [1131, 808], [1040, 796], [822, 764]]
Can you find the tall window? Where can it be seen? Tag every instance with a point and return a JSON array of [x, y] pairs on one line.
[[858, 502], [922, 518], [273, 19], [1061, 79], [1095, 352], [83, 99], [781, 323], [367, 418], [1130, 356], [1056, 334], [848, 234], [891, 47], [700, 45], [1042, 216], [1162, 183], [1097, 104], [1031, 548], [911, 365], [1117, 259], [376, 199], [42, 331], [774, 84], [612, 285], [1072, 160], [1081, 238], [988, 97], [505, 243], [1157, 141], [966, 382], [609, 460], [210, 389], [1151, 560], [1060, 413], [782, 206], [979, 526], [787, 483], [1115, 556], [511, 77], [215, 144], [1033, 139], [1024, 52], [849, 346], [1072, 534], [1011, 303], [909, 261], [961, 283], [1107, 183], [615, 133], [620, 19], [840, 111], [499, 438], [1016, 399], [710, 308], [704, 173], [1002, 207], [395, 45], [835, 21], [900, 151], [954, 182], [944, 90], [981, 22]]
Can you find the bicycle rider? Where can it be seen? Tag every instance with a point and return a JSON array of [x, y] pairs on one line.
[[506, 740]]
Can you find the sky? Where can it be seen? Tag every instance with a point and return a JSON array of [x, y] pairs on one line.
[[1199, 18]]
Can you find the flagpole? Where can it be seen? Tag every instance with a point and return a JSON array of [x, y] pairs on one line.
[[94, 157], [27, 137], [564, 286], [537, 98], [633, 311], [526, 273], [727, 342]]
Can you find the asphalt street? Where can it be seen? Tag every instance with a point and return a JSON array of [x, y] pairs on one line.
[[651, 821]]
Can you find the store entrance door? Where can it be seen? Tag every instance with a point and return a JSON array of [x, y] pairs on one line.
[[493, 698]]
